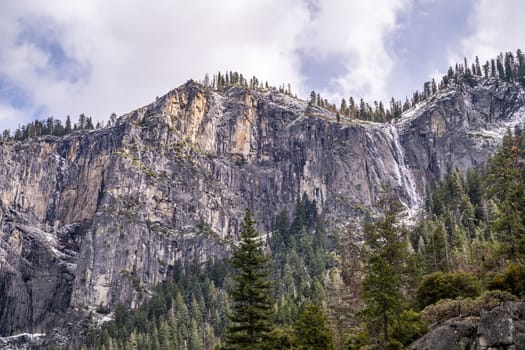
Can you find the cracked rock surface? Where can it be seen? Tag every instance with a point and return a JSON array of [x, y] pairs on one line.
[[97, 218], [502, 328]]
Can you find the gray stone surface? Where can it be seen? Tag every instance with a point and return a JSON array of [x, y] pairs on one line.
[[97, 218], [502, 328], [453, 334]]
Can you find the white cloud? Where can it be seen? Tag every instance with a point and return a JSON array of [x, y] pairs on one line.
[[136, 50], [356, 30], [128, 52], [496, 27], [9, 116]]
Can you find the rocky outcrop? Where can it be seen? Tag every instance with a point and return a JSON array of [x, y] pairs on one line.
[[22, 341], [502, 328], [460, 128], [97, 218]]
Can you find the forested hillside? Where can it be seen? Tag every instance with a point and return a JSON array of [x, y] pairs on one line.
[[469, 243], [358, 234]]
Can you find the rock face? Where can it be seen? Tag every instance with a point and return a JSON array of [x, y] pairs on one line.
[[502, 328], [97, 218]]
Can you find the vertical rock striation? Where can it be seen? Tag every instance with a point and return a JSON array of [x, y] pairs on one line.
[[97, 218]]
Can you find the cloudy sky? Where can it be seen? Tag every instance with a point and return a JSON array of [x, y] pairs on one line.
[[98, 56]]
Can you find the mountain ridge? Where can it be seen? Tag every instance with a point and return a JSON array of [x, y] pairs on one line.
[[96, 218]]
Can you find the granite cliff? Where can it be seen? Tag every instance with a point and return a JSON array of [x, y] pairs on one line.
[[96, 218]]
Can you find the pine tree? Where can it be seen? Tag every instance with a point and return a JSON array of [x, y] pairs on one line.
[[164, 337], [251, 295], [477, 67], [521, 66], [506, 188], [68, 129], [82, 121], [346, 299], [438, 248], [132, 343], [195, 341], [344, 108], [383, 281], [313, 99], [312, 329]]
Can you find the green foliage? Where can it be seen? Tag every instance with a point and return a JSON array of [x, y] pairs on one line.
[[251, 295], [299, 260], [456, 212], [312, 330], [446, 309], [477, 223], [189, 309], [473, 224], [409, 327], [432, 246], [385, 267], [49, 126], [506, 177], [393, 344], [282, 338], [356, 340], [511, 279], [440, 285], [185, 311]]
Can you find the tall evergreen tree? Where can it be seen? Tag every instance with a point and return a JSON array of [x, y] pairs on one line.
[[251, 295], [386, 263], [312, 330], [507, 185]]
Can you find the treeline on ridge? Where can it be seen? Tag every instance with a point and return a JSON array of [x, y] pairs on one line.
[[508, 67]]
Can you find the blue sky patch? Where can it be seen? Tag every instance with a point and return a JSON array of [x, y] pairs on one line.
[[14, 95], [44, 35], [424, 39], [320, 70]]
